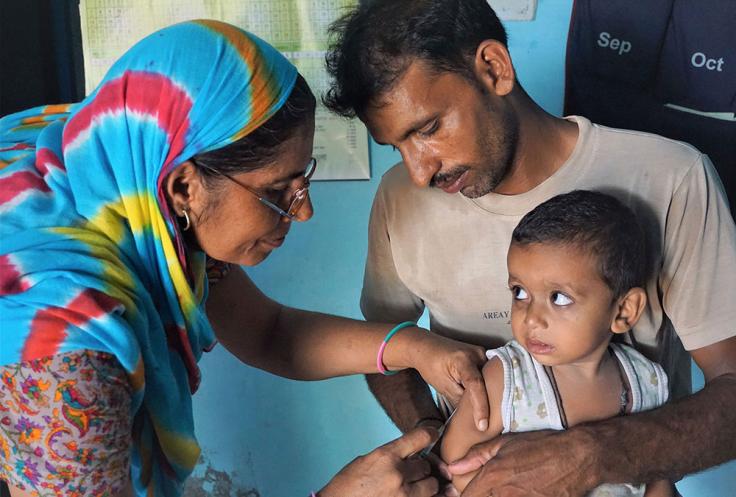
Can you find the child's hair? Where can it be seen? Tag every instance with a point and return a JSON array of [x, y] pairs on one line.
[[596, 222]]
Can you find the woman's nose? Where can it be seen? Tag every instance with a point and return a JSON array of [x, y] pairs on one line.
[[306, 210]]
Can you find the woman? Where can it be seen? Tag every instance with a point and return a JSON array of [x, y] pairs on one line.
[[196, 146]]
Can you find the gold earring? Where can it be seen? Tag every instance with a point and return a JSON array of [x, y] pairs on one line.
[[188, 224]]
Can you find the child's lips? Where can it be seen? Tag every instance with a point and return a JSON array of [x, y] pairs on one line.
[[535, 346]]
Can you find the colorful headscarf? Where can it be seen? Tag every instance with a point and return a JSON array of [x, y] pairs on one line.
[[91, 256]]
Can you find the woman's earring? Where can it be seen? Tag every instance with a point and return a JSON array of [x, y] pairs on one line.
[[188, 224]]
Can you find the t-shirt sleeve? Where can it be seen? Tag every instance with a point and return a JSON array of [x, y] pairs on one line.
[[384, 297], [698, 277]]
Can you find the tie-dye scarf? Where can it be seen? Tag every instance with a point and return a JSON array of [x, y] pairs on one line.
[[91, 256]]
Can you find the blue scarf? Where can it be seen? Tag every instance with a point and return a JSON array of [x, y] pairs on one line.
[[91, 256]]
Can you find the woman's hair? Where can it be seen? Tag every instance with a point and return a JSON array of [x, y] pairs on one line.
[[372, 45], [598, 223], [261, 147]]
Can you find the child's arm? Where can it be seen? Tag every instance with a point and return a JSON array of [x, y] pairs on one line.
[[461, 434], [660, 488]]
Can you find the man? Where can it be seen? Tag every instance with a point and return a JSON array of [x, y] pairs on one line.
[[434, 79]]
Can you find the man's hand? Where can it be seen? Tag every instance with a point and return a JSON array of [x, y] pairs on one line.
[[535, 464]]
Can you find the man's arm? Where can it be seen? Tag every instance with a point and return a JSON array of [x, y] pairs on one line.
[[405, 397]]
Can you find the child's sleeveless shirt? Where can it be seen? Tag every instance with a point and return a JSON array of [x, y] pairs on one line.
[[529, 401]]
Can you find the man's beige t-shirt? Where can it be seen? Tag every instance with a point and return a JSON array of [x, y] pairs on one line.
[[448, 252]]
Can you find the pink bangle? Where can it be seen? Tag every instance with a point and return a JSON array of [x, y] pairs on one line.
[[312, 495], [379, 358]]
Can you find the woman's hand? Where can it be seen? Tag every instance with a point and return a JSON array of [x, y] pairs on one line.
[[392, 470], [453, 368]]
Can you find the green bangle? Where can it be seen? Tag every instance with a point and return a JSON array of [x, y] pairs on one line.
[[379, 358]]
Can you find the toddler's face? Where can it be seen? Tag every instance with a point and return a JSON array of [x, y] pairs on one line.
[[561, 310]]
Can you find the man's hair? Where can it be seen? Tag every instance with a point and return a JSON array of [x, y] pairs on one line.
[[595, 222], [372, 46]]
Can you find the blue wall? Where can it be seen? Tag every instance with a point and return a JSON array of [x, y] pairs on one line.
[[284, 438]]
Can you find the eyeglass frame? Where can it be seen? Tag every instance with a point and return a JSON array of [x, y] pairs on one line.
[[297, 198]]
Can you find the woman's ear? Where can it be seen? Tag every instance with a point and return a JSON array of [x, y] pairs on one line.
[[628, 310], [493, 67], [184, 188]]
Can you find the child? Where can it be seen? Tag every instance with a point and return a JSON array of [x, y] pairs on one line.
[[576, 270]]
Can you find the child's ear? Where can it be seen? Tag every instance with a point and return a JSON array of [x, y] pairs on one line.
[[628, 310]]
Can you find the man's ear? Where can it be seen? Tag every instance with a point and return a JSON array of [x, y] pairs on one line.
[[184, 188], [493, 67], [628, 310]]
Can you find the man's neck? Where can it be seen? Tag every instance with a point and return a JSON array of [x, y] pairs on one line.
[[545, 144]]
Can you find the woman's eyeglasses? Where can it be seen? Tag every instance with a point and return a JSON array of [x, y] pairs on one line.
[[297, 198]]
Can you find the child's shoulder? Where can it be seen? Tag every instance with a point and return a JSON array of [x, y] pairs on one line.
[[493, 371], [508, 359], [507, 353], [647, 379], [507, 367], [628, 355]]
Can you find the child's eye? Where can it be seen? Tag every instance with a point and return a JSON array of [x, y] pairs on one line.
[[561, 299], [518, 293]]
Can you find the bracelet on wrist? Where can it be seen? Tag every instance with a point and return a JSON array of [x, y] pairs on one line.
[[379, 358]]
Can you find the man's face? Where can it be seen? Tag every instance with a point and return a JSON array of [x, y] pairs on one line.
[[451, 133]]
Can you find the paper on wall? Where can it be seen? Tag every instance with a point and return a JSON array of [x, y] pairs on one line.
[[298, 28]]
